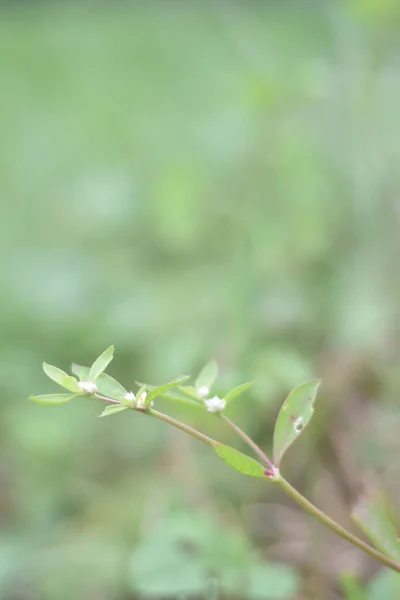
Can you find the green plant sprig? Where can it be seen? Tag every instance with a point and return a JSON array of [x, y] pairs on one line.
[[293, 417]]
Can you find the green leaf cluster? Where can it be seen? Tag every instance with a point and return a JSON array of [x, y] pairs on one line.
[[106, 385]]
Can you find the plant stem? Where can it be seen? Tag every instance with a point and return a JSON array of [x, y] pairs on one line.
[[249, 442], [335, 527], [275, 476], [106, 399], [163, 417], [186, 428]]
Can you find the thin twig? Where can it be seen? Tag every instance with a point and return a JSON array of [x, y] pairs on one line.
[[163, 417], [249, 442], [190, 430], [274, 475]]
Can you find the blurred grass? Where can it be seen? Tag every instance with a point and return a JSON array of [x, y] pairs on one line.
[[188, 181]]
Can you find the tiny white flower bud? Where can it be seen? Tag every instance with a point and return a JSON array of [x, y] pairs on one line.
[[203, 391], [141, 401], [215, 404], [131, 398], [89, 387]]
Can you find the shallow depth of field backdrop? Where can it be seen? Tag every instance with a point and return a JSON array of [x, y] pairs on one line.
[[188, 180]]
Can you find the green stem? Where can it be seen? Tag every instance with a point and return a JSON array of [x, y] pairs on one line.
[[308, 506], [335, 527], [163, 417], [249, 442], [106, 399], [274, 476], [186, 428]]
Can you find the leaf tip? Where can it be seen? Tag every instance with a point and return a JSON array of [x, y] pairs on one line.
[[111, 350]]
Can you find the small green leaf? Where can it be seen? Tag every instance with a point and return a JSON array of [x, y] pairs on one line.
[[106, 385], [161, 389], [294, 416], [110, 387], [101, 363], [52, 399], [62, 378], [180, 395], [81, 372], [372, 514], [176, 397], [190, 392], [240, 389], [239, 461], [207, 375], [112, 409]]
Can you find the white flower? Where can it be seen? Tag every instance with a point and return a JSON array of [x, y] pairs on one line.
[[203, 391], [141, 401], [131, 398], [89, 387], [215, 404]]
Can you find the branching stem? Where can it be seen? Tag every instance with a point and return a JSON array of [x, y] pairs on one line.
[[186, 428], [274, 475], [255, 447], [163, 417]]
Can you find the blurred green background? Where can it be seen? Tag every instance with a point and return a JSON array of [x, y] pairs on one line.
[[188, 180]]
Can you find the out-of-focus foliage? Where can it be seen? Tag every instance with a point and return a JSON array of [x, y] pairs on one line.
[[384, 585], [372, 514], [162, 563], [189, 180]]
